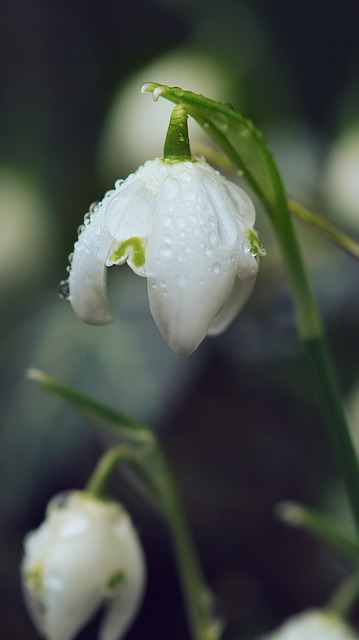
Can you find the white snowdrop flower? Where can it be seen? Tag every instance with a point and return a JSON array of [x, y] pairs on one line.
[[189, 231], [85, 554], [313, 625]]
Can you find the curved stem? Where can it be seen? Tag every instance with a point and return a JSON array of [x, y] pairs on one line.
[[324, 226], [100, 480], [204, 623]]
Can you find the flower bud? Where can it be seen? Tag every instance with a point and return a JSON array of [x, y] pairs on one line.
[[313, 625], [189, 231], [85, 554]]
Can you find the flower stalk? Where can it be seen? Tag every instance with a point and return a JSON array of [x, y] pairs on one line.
[[177, 147]]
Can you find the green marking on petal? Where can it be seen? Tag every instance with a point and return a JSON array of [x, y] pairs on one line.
[[133, 247], [115, 580], [35, 577], [256, 243]]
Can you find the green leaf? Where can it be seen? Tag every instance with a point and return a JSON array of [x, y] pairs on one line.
[[144, 453], [321, 526]]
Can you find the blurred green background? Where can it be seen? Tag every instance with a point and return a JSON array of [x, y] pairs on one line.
[[237, 418]]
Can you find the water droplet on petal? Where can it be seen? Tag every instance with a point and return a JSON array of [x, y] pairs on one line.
[[181, 222], [63, 290], [246, 246], [93, 207], [190, 194], [212, 238], [165, 249], [184, 175], [181, 280], [170, 188], [216, 267]]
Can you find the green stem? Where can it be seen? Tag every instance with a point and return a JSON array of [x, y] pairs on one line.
[[345, 597], [333, 412], [198, 599], [176, 147], [100, 480], [320, 223], [312, 333], [203, 623]]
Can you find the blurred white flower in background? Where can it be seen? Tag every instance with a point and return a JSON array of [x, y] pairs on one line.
[[85, 554], [313, 625], [135, 127], [25, 229], [341, 184], [189, 231]]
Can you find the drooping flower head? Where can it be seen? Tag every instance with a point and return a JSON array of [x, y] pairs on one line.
[[188, 230], [85, 554]]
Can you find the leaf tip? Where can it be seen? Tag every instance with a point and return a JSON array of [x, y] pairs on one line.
[[35, 374], [290, 513]]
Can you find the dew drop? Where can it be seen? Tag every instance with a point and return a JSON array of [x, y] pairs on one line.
[[170, 188], [156, 93], [63, 290], [246, 246], [93, 207], [212, 238], [185, 176], [190, 194], [181, 222], [167, 238], [216, 268], [165, 249], [181, 280]]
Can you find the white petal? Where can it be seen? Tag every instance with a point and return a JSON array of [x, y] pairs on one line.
[[87, 279], [241, 291], [77, 549], [193, 253], [124, 606], [130, 211]]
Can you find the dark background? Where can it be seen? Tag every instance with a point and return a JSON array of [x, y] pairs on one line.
[[237, 418]]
